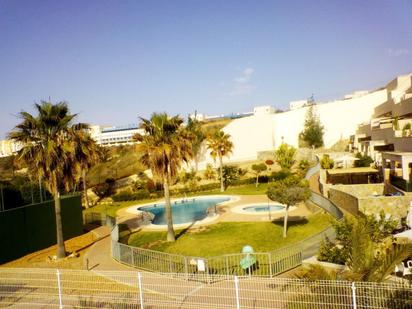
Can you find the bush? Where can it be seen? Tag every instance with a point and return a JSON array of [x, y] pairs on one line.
[[280, 175], [231, 173], [338, 252], [210, 173], [105, 189], [128, 195], [328, 252], [326, 162], [364, 161]]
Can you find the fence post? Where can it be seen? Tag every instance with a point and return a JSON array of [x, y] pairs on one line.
[[59, 285], [354, 295], [132, 256], [186, 268], [237, 292], [270, 265], [139, 280]]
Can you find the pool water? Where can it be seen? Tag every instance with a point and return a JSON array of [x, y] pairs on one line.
[[185, 210], [262, 208]]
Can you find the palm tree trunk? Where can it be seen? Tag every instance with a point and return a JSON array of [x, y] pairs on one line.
[[40, 190], [285, 222], [196, 164], [85, 188], [61, 250], [168, 209], [222, 188]]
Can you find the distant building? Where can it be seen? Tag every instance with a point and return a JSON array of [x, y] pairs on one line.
[[298, 104], [264, 110], [9, 147], [356, 94], [196, 116], [115, 135]]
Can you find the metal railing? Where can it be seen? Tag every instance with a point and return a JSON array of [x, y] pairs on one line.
[[51, 288], [326, 205], [268, 264]]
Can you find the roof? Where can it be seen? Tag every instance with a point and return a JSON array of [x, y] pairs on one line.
[[398, 153], [354, 170]]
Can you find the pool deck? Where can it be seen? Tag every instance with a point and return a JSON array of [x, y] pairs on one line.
[[296, 213]]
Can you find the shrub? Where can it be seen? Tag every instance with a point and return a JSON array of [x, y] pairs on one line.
[[185, 177], [326, 162], [328, 252], [280, 175], [285, 156], [364, 161], [128, 195], [230, 173], [105, 189], [339, 251], [210, 173]]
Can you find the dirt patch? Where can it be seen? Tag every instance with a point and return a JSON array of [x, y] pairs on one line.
[[41, 259]]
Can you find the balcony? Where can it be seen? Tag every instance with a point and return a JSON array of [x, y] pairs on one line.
[[384, 109]]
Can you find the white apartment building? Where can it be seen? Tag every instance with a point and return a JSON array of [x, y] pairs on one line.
[[8, 147], [115, 135]]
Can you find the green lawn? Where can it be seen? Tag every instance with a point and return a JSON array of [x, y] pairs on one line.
[[230, 237], [239, 190]]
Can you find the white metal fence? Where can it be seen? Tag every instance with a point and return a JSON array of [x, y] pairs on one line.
[[267, 264], [50, 288]]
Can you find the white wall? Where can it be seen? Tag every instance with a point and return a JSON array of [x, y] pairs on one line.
[[257, 133]]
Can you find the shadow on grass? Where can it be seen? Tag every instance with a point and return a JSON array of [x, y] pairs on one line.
[[184, 231], [292, 221]]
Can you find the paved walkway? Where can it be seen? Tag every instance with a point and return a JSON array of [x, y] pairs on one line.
[[99, 256]]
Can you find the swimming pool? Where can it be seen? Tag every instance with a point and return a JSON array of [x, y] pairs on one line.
[[184, 210], [264, 208]]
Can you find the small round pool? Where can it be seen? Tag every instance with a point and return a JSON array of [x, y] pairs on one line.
[[185, 210], [263, 208]]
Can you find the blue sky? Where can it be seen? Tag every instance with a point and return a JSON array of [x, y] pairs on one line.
[[116, 60]]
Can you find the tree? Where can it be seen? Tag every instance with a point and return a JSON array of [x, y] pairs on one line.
[[49, 149], [257, 169], [312, 134], [289, 191], [220, 146], [87, 153], [285, 156], [230, 174], [165, 145], [194, 127], [210, 172]]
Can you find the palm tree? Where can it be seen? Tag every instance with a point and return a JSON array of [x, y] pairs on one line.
[[86, 154], [219, 145], [368, 260], [165, 144], [48, 148], [194, 128]]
